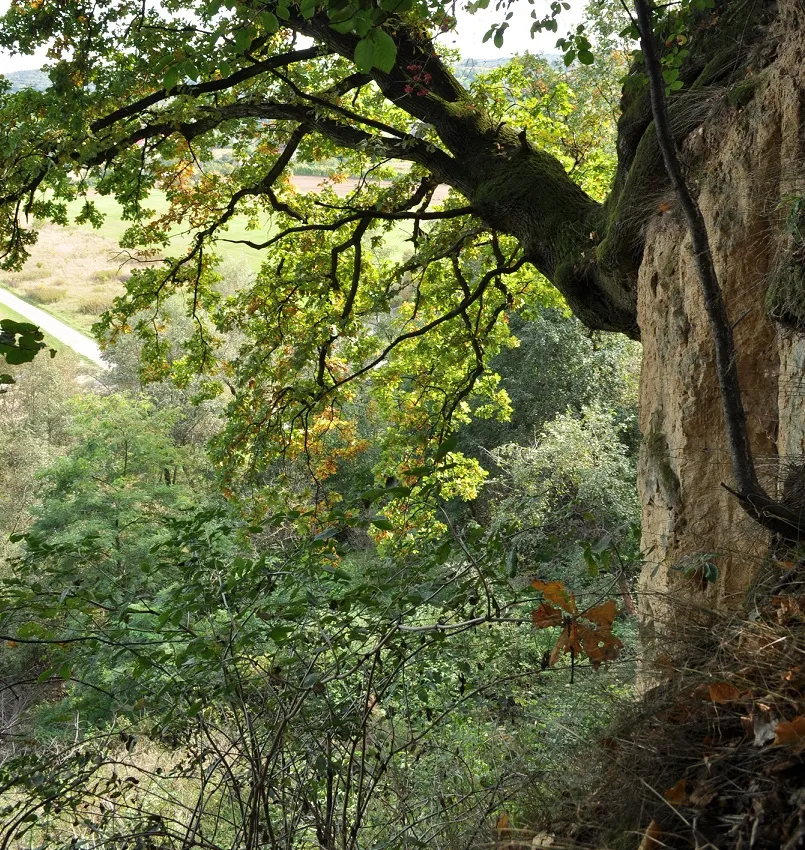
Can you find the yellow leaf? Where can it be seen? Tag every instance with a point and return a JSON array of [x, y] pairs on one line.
[[651, 838]]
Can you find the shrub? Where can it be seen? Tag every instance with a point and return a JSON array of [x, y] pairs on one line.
[[95, 304], [104, 275], [46, 294]]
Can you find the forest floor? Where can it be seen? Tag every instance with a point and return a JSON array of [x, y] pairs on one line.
[[713, 756]]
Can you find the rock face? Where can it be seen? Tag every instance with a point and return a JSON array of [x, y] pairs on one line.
[[747, 161]]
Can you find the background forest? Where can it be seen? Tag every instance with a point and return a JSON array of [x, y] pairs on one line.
[[334, 648]]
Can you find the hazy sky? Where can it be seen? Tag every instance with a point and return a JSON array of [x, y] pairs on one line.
[[468, 36]]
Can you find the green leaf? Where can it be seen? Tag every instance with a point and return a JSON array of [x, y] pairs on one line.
[[243, 39], [382, 522], [590, 560], [339, 573], [446, 446], [268, 21], [396, 6], [586, 58], [280, 634], [365, 54], [171, 78], [385, 50]]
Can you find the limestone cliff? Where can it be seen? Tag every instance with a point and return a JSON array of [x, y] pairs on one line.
[[746, 163]]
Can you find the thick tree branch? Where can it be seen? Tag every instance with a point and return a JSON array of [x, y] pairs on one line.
[[241, 76]]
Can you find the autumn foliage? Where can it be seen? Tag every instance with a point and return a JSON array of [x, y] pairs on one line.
[[583, 633]]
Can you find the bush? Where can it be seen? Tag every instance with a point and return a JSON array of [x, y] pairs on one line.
[[46, 294], [104, 275], [94, 304]]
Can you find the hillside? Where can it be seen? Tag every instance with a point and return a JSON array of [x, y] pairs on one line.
[[31, 79]]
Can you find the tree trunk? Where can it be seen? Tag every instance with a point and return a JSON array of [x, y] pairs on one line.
[[746, 162]]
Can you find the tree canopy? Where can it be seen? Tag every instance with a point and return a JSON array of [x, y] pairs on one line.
[[142, 100]]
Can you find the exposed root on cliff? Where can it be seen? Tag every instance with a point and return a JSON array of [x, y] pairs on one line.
[[712, 758]]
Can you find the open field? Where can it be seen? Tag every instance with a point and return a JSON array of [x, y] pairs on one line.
[[75, 272]]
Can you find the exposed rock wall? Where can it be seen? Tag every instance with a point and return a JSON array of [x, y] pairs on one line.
[[748, 163]]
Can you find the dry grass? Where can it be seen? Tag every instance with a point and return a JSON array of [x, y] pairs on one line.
[[710, 758], [74, 271], [95, 303], [46, 293]]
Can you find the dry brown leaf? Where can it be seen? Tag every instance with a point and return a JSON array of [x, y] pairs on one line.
[[561, 646], [542, 839], [703, 794], [554, 591], [651, 838], [665, 664], [789, 608], [502, 824], [599, 644], [791, 733], [677, 795], [602, 615], [724, 692], [546, 615]]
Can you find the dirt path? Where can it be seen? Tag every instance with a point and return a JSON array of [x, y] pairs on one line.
[[80, 343]]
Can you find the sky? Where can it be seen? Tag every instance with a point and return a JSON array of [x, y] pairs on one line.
[[468, 36]]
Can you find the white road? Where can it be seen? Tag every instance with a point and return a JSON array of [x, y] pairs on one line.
[[80, 343]]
